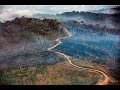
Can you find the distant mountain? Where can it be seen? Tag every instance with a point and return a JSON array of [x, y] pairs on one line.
[[108, 10], [86, 14], [95, 28], [73, 13], [103, 19], [112, 21], [42, 16]]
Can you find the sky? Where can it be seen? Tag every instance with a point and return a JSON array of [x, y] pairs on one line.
[[8, 12]]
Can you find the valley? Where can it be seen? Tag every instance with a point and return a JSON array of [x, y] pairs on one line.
[[71, 48]]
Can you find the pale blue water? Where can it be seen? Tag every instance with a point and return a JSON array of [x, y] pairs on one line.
[[90, 45]]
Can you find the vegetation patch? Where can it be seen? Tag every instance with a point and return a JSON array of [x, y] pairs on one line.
[[59, 74]]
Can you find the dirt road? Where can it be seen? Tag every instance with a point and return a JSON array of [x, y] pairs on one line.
[[68, 58]]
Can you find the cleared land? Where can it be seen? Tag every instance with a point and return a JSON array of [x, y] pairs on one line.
[[59, 74]]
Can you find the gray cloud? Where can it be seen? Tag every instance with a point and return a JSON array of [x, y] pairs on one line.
[[1, 8], [8, 12]]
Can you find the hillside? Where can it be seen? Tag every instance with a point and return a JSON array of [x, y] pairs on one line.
[[103, 19], [95, 28], [108, 10], [24, 42], [25, 29]]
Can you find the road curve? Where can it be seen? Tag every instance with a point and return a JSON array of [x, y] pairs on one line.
[[102, 82]]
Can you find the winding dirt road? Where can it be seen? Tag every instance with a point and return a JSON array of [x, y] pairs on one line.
[[68, 58]]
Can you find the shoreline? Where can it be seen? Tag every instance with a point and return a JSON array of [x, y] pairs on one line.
[[103, 82]]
